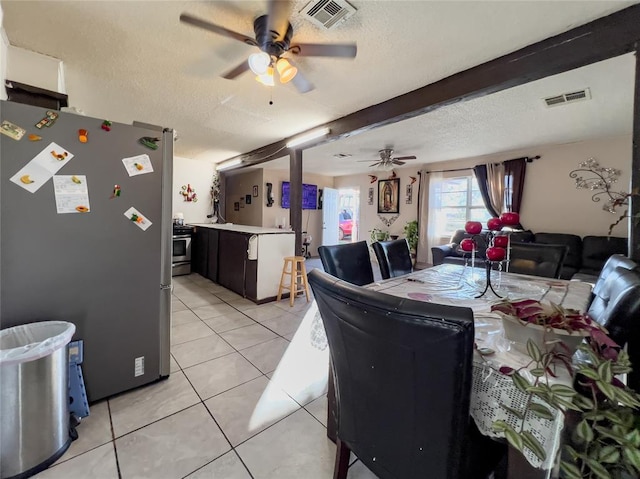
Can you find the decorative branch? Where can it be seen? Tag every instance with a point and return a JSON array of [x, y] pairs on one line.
[[600, 180]]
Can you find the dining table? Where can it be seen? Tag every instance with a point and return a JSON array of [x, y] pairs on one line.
[[491, 390]]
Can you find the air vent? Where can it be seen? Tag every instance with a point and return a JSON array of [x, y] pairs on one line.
[[328, 13], [570, 97]]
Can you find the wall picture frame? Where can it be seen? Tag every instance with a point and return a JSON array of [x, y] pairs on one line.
[[389, 196], [255, 191], [370, 200], [247, 199], [409, 194], [236, 206]]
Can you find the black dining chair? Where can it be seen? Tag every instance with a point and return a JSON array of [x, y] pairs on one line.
[[403, 372], [394, 257], [350, 262], [616, 306], [614, 261], [537, 259]]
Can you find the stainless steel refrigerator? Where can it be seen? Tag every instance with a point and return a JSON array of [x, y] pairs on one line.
[[100, 265]]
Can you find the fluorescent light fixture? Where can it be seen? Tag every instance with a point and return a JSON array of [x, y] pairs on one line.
[[223, 165], [312, 135]]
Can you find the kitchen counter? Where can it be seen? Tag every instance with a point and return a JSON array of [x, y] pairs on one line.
[[245, 259], [253, 230]]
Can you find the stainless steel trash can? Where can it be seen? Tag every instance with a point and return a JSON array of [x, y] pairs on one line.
[[34, 397]]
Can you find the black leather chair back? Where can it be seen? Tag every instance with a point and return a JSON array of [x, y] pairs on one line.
[[537, 259], [614, 261], [350, 262], [616, 305], [394, 258], [403, 378]]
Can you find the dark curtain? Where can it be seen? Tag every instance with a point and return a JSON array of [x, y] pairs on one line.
[[481, 177], [515, 170]]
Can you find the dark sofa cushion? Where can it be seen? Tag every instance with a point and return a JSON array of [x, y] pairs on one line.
[[596, 250], [573, 260]]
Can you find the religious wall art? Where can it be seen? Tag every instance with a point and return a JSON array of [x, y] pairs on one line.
[[389, 196], [409, 194], [371, 196]]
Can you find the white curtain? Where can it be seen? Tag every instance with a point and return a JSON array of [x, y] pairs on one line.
[[495, 180], [428, 212]]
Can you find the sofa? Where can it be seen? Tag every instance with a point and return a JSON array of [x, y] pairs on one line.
[[584, 261]]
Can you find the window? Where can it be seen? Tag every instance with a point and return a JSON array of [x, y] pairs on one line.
[[458, 200]]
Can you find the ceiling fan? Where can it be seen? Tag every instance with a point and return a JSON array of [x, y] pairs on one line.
[[273, 34], [387, 161]]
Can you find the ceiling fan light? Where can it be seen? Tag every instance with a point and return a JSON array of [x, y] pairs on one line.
[[286, 70], [266, 78], [259, 62]]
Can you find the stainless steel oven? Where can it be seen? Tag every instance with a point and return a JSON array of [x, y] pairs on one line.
[[181, 255]]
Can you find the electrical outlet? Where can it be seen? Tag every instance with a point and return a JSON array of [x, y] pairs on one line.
[[139, 367]]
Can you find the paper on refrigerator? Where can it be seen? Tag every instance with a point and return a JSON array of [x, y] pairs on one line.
[[42, 167], [138, 165], [72, 194]]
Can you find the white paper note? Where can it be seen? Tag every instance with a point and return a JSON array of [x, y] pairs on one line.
[[42, 167], [138, 165], [72, 194], [137, 218]]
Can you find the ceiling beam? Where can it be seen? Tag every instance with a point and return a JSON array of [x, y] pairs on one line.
[[606, 37]]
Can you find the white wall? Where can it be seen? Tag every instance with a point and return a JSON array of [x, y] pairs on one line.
[[4, 47], [35, 69], [369, 213], [199, 174], [237, 187], [311, 219], [551, 203]]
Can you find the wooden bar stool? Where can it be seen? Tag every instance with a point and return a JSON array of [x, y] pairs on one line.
[[295, 269]]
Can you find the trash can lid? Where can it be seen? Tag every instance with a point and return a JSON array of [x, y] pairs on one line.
[[29, 342]]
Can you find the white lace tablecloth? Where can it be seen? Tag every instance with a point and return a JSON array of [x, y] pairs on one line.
[[458, 286]]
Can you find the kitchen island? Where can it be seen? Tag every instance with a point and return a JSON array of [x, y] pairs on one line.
[[245, 259]]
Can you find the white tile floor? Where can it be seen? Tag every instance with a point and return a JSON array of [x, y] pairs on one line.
[[245, 399]]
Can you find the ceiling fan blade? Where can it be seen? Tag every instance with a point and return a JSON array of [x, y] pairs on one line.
[[375, 164], [396, 162], [237, 71], [212, 27], [344, 50], [405, 158], [278, 18], [302, 84]]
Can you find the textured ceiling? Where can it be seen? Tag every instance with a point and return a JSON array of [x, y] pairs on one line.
[[135, 61], [509, 120]]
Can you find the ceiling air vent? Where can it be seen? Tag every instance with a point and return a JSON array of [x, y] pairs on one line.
[[570, 97], [328, 13]]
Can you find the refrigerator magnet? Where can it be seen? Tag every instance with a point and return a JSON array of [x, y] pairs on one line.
[[149, 142], [116, 192], [137, 218], [49, 119], [12, 131], [106, 125], [83, 135]]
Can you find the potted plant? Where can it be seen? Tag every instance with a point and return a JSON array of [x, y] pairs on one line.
[[411, 233], [601, 413], [379, 235], [544, 324]]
